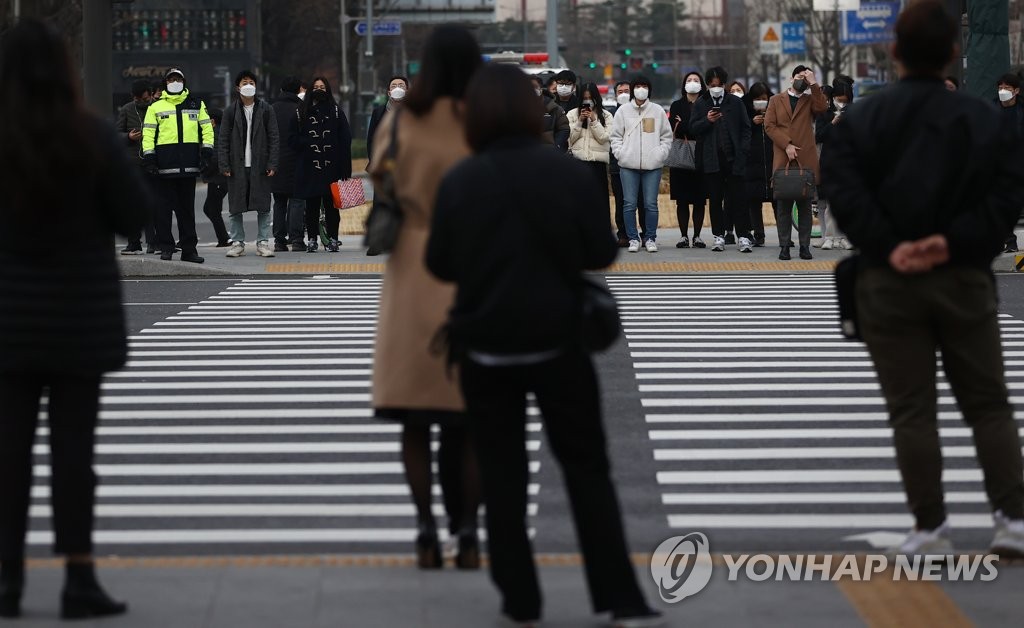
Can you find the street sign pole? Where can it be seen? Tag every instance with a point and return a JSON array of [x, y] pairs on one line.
[[552, 33]]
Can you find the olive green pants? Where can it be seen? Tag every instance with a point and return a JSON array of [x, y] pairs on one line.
[[904, 319]]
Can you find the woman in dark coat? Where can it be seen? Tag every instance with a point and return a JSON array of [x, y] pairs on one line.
[[322, 139], [61, 322], [759, 160], [512, 330], [686, 186]]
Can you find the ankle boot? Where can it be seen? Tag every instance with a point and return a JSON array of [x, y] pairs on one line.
[[805, 252], [84, 597], [784, 253], [12, 582], [469, 550], [428, 548]]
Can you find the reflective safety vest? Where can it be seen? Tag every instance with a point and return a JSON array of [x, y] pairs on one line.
[[177, 127]]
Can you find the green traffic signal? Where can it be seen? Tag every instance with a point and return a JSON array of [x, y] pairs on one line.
[[654, 65], [629, 51], [592, 65], [622, 65]]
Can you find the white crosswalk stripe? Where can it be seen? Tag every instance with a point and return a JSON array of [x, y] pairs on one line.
[[246, 419], [761, 416]]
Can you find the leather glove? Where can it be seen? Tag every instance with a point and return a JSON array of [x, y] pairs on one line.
[[149, 164]]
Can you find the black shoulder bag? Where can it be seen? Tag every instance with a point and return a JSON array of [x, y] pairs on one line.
[[385, 219]]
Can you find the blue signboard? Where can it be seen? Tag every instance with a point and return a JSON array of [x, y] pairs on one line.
[[794, 38], [873, 23], [381, 29]]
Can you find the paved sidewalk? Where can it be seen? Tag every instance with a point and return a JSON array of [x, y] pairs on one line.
[[369, 591]]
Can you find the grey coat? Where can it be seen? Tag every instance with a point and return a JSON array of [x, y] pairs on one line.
[[231, 156]]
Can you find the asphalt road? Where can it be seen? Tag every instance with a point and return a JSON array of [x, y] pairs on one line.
[[640, 477]]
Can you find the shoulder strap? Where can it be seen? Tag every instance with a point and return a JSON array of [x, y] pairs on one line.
[[393, 146]]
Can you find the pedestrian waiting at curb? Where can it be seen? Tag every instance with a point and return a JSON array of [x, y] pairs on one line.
[[512, 331], [687, 186], [130, 119], [622, 97], [926, 182], [842, 97], [247, 153], [289, 212], [589, 130], [759, 160], [62, 325], [1012, 109], [216, 187]]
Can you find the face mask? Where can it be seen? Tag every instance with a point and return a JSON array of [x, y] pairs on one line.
[[302, 96], [538, 91], [693, 87], [840, 106], [640, 93], [623, 98], [175, 87], [247, 90], [397, 93], [564, 90], [717, 92], [319, 95], [737, 94], [799, 85], [760, 105], [1005, 95]]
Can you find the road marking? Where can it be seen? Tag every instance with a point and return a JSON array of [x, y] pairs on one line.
[[795, 453], [250, 469], [796, 434], [880, 497], [700, 521], [803, 476]]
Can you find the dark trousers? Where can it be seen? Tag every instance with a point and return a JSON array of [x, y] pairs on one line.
[[755, 206], [600, 171], [683, 217], [149, 231], [567, 393], [620, 219], [332, 218], [904, 319], [73, 405], [784, 222], [289, 219], [177, 197], [725, 202], [214, 208]]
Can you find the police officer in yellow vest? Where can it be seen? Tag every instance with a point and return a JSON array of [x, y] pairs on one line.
[[177, 145]]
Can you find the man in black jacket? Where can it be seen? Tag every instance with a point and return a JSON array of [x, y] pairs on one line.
[[289, 212], [129, 127], [1012, 109], [926, 183]]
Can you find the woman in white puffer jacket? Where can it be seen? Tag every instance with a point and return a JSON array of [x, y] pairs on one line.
[[590, 129]]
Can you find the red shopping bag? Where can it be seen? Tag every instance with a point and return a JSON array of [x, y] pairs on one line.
[[348, 193]]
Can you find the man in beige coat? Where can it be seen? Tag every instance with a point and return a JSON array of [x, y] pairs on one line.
[[789, 122]]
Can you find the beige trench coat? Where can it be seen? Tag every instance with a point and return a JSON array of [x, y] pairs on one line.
[[784, 125], [414, 304]]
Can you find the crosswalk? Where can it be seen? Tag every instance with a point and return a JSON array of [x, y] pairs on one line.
[[762, 417], [243, 423]]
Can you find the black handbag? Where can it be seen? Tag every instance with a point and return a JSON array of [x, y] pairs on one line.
[[385, 219], [793, 184], [846, 289]]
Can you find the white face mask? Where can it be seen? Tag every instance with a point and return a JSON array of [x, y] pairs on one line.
[[302, 96], [737, 94], [623, 98], [692, 87], [175, 87], [716, 92], [247, 90], [564, 90], [760, 105], [641, 93], [1005, 95], [538, 91], [397, 93], [840, 106]]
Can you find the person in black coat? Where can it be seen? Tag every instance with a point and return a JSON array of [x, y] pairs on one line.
[[289, 211], [513, 330], [398, 87], [322, 139], [1010, 105], [216, 185], [687, 186], [759, 159], [824, 132], [720, 121], [62, 325]]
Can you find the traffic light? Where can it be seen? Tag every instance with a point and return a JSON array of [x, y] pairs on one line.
[[593, 65], [623, 66], [654, 65], [628, 51]]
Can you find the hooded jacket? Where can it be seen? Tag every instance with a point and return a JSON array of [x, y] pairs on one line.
[[641, 136]]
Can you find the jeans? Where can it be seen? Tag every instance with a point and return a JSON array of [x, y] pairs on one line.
[[237, 227], [289, 219], [633, 181]]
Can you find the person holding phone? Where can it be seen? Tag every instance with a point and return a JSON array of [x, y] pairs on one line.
[[759, 159], [589, 131], [129, 126]]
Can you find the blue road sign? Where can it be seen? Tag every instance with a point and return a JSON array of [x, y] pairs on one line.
[[873, 23], [381, 29], [794, 38]]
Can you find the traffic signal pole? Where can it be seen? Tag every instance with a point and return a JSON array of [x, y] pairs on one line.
[[97, 55], [552, 33]]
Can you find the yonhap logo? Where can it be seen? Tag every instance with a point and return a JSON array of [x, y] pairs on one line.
[[681, 567]]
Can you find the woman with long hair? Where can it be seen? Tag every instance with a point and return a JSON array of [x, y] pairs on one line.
[[322, 139], [759, 159], [411, 383], [686, 187], [61, 321], [589, 128]]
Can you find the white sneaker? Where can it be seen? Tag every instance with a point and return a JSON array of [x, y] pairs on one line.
[[651, 246], [719, 244], [263, 249], [1009, 539], [697, 243], [634, 246], [846, 244], [746, 246], [827, 244], [925, 543], [237, 250]]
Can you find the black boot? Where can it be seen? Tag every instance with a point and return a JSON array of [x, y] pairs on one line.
[[83, 596], [805, 252], [428, 548], [12, 581], [784, 253], [469, 550]]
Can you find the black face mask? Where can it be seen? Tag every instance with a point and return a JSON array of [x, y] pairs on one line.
[[799, 85], [319, 95]]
